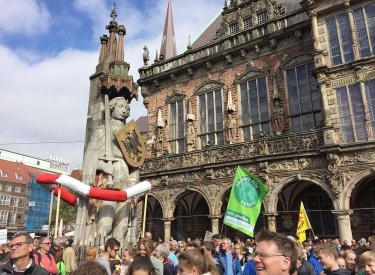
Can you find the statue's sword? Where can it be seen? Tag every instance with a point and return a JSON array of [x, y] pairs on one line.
[[108, 156]]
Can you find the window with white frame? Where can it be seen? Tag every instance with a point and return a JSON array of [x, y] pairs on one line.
[[340, 39], [15, 201], [18, 177], [304, 99], [248, 22], [364, 20], [255, 115], [3, 216], [262, 17], [17, 189], [4, 200], [8, 188], [351, 111], [176, 127], [3, 174], [211, 124], [234, 28]]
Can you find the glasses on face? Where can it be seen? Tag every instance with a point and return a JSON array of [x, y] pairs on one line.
[[263, 255], [115, 249], [16, 245], [181, 246], [46, 243]]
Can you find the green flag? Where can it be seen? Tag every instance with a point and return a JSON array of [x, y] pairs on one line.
[[244, 202]]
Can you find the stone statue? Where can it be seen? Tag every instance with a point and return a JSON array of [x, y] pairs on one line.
[[105, 167], [190, 136], [278, 115], [231, 131], [159, 142], [146, 56]]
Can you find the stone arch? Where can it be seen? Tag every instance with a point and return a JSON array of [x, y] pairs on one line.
[[219, 198], [347, 190], [169, 209], [273, 195], [155, 196]]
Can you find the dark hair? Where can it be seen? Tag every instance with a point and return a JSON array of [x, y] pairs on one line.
[[284, 245], [90, 268], [210, 247], [111, 242], [28, 238], [141, 262], [58, 255]]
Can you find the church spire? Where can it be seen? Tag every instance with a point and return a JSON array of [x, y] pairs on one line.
[[168, 43]]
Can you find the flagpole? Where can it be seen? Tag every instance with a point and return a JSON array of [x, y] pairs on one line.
[[50, 215], [307, 218], [57, 209]]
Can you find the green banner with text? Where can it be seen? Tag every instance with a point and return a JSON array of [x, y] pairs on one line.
[[245, 202]]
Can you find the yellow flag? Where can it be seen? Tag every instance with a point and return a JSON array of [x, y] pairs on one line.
[[303, 224]]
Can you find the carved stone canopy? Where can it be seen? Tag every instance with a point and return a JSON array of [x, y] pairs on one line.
[[249, 74], [208, 86], [175, 97]]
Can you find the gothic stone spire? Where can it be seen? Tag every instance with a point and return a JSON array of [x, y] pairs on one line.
[[168, 43]]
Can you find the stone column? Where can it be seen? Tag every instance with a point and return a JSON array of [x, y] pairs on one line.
[[167, 229], [271, 221], [343, 220], [352, 29], [314, 28], [215, 224]]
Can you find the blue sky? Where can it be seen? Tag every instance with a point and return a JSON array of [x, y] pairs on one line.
[[48, 50]]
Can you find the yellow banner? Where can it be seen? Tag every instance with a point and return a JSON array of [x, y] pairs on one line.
[[303, 224]]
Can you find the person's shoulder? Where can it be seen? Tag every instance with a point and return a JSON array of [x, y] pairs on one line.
[[340, 271], [37, 270]]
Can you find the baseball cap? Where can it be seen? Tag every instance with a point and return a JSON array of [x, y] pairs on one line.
[[363, 240], [216, 236]]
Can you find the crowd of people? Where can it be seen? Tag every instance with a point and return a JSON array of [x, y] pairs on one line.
[[269, 253]]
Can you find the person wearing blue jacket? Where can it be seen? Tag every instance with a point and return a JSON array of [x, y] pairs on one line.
[[314, 259], [229, 258]]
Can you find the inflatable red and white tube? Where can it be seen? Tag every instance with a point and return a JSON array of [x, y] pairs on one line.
[[88, 191]]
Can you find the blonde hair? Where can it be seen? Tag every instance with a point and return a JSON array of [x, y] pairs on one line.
[[366, 257], [199, 258], [149, 245], [91, 254]]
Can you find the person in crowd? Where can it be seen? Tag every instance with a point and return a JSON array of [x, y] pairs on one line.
[[188, 240], [6, 253], [91, 255], [216, 239], [196, 261], [173, 247], [141, 265], [248, 247], [354, 245], [314, 259], [181, 247], [275, 254], [349, 257], [171, 255], [58, 243], [362, 247], [21, 246], [190, 246], [127, 257], [148, 235], [162, 253], [60, 262], [111, 248], [327, 255], [229, 258], [303, 267], [101, 250], [43, 258], [367, 262], [371, 240], [240, 252], [90, 268], [146, 247], [341, 261], [212, 249], [69, 257]]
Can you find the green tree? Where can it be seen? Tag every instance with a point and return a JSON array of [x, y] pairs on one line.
[[67, 212]]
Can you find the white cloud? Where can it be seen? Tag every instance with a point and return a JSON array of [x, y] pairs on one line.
[[47, 99], [26, 17]]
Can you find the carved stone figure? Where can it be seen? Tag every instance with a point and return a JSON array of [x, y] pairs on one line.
[[159, 142], [146, 56], [106, 167], [190, 136], [231, 131], [278, 115]]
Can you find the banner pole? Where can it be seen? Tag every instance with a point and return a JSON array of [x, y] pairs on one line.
[[50, 215]]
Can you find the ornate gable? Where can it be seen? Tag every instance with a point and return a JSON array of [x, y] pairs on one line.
[[249, 74], [208, 86], [297, 59], [175, 97]]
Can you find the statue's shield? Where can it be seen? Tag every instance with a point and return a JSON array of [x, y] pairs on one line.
[[131, 144]]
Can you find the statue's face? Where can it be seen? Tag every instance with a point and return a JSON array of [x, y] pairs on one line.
[[121, 110]]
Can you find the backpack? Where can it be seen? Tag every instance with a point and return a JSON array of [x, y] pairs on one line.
[[40, 257]]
